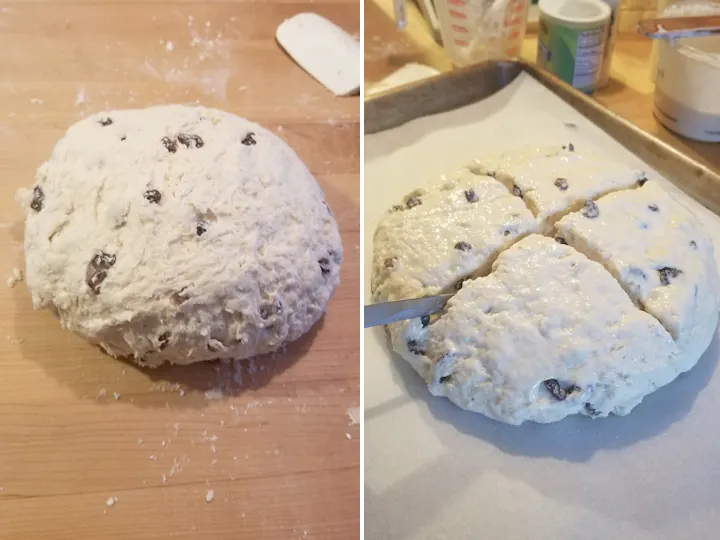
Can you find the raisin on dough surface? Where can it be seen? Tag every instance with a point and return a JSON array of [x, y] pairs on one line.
[[539, 329], [179, 234]]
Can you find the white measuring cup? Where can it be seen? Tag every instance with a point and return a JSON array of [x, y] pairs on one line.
[[477, 30]]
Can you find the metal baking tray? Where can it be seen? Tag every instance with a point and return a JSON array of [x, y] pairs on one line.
[[434, 471], [468, 85]]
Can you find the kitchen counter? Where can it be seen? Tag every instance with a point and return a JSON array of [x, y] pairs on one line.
[[91, 447], [629, 94]]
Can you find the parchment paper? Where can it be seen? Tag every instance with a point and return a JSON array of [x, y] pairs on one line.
[[435, 471]]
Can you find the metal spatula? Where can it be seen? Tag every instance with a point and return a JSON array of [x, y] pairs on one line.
[[390, 312]]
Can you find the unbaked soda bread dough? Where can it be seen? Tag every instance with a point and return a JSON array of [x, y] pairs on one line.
[[581, 286], [179, 234]]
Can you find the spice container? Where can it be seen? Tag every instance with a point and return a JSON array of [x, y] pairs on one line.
[[571, 39]]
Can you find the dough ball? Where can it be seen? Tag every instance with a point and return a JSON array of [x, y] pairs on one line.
[[615, 298], [179, 234]]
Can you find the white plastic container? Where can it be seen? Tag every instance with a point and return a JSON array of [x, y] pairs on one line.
[[687, 85], [571, 38]]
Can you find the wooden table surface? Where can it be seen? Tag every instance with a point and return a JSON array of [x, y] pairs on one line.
[[275, 442], [629, 94]]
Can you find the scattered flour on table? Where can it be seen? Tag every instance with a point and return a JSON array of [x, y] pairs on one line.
[[111, 501], [80, 97], [354, 415], [209, 496], [17, 276], [214, 393]]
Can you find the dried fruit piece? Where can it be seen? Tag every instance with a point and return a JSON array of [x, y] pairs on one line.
[[445, 378], [693, 244], [425, 320], [389, 263], [201, 228], [97, 270], [591, 410], [190, 140], [170, 144], [413, 201], [95, 279], [557, 391], [653, 207], [471, 196], [103, 261], [153, 196], [641, 181], [667, 273], [463, 246], [163, 340], [561, 240], [38, 200], [268, 310], [561, 184], [324, 265], [517, 191], [414, 347], [396, 208], [105, 121], [249, 139], [590, 210]]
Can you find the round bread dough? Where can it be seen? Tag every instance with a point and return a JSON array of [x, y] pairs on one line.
[[584, 314], [179, 234]]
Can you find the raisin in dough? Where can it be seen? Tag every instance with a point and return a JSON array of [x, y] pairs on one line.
[[595, 361], [554, 181], [660, 254], [179, 234], [547, 334]]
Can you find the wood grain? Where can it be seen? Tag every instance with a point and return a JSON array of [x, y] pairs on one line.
[[275, 444], [629, 94]]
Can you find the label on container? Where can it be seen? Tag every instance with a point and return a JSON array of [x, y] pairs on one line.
[[574, 55]]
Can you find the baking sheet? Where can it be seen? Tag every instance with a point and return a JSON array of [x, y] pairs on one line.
[[435, 471]]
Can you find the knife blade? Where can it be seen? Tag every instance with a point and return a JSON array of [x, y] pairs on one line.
[[390, 312]]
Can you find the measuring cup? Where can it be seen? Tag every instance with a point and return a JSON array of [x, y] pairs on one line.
[[476, 30]]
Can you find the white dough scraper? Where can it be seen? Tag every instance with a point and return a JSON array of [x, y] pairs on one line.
[[324, 50]]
